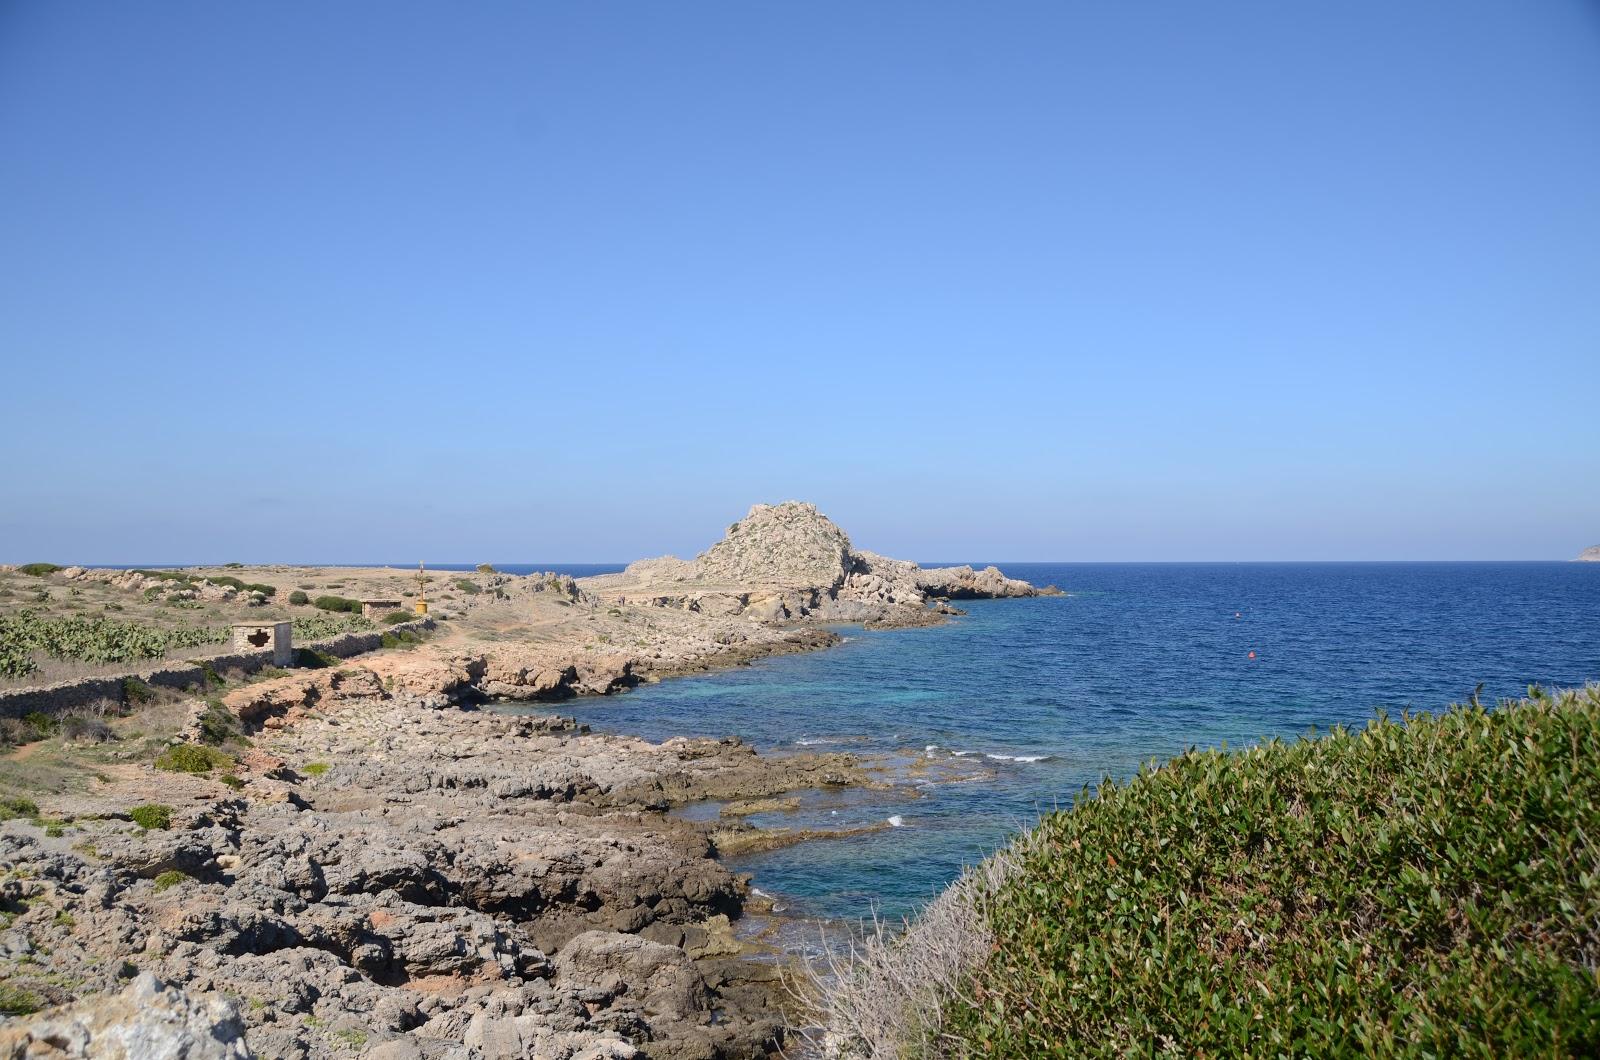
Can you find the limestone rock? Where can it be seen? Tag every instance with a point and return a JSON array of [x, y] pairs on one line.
[[964, 583], [147, 1021]]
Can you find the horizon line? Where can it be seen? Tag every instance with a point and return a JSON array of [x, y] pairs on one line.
[[920, 563]]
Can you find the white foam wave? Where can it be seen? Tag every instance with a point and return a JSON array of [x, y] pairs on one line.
[[1019, 758], [897, 821]]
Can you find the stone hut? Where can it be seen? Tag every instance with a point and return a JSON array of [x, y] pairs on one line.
[[376, 609], [258, 636]]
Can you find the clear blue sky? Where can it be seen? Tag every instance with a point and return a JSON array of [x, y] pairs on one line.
[[521, 282]]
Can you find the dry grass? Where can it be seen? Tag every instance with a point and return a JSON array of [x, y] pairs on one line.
[[70, 762], [881, 996]]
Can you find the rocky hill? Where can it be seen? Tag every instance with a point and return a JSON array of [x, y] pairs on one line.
[[785, 562], [1590, 555]]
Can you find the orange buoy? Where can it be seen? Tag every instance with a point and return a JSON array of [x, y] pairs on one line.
[[1252, 655]]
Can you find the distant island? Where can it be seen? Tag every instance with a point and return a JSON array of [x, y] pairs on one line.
[[1589, 555]]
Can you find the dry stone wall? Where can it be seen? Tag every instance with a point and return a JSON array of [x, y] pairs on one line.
[[64, 695]]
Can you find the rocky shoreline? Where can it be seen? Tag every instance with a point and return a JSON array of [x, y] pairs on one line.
[[385, 869]]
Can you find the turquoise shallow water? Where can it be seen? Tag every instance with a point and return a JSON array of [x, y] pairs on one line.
[[1030, 700]]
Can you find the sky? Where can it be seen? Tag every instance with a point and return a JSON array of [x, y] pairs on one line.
[[513, 282]]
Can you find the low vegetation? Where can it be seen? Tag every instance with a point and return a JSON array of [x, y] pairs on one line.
[[152, 817], [27, 633], [394, 618], [403, 638], [168, 879], [299, 598], [320, 627], [15, 807], [1421, 887], [192, 758], [468, 586], [337, 603], [38, 570], [15, 1001]]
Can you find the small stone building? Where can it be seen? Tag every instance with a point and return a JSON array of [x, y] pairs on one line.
[[258, 636], [378, 608]]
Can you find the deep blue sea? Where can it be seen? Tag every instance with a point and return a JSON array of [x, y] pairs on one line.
[[1014, 708]]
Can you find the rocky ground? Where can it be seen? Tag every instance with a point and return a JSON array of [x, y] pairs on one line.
[[369, 861], [383, 879]]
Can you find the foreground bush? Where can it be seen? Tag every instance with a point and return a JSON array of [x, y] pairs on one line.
[[337, 603], [1422, 888], [192, 758]]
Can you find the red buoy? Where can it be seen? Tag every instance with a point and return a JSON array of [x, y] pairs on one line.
[[1252, 655]]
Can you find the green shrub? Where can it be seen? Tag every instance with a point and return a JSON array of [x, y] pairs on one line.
[[151, 817], [468, 586], [486, 568], [219, 725], [338, 603], [170, 878], [314, 769], [15, 1001], [394, 618], [312, 659], [191, 758], [233, 780], [1425, 887], [232, 566], [137, 692], [42, 724], [14, 807], [299, 598], [404, 638], [38, 570]]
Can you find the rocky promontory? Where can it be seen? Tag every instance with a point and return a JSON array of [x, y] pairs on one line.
[[1589, 555], [789, 562]]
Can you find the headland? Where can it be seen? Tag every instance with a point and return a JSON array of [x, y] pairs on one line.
[[360, 855]]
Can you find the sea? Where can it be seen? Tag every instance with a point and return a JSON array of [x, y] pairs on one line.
[[1022, 706]]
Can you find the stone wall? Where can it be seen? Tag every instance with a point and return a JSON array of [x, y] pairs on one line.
[[184, 674]]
